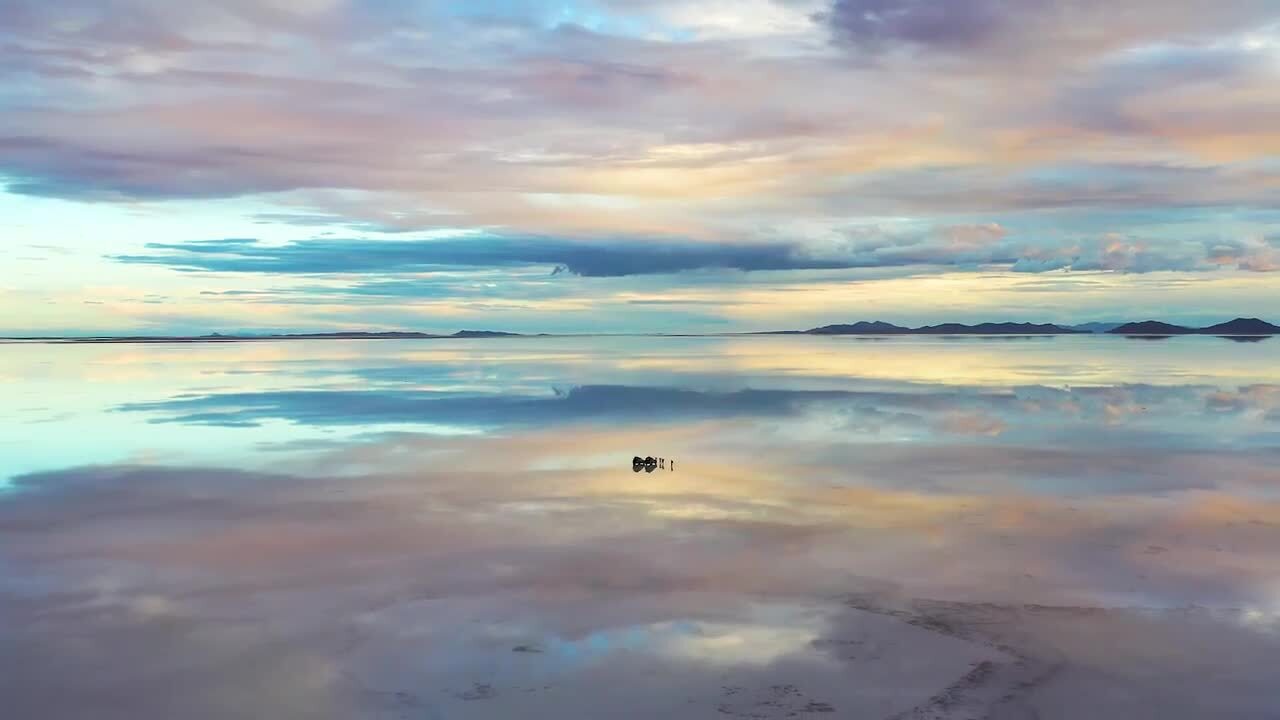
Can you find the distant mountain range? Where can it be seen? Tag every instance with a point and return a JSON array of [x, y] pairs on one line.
[[1237, 327], [485, 333], [860, 328], [1151, 327], [1096, 327]]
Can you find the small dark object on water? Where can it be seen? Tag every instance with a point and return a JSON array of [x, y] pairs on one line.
[[650, 463]]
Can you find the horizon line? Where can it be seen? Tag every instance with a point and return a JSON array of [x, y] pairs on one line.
[[1067, 328]]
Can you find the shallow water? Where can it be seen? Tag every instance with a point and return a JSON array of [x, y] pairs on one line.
[[452, 528]]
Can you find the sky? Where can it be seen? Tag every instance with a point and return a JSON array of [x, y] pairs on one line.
[[618, 165]]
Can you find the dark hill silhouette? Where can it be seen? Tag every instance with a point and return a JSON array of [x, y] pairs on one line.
[[1151, 327], [1242, 326], [861, 327], [1096, 327], [1147, 329], [389, 335], [483, 333]]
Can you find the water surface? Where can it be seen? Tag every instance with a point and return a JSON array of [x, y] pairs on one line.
[[452, 528]]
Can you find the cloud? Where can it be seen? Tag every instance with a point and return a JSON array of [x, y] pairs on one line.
[[524, 121], [609, 258], [603, 258], [326, 220], [1118, 253], [1254, 254], [881, 24], [951, 246], [1069, 31], [627, 139], [1077, 186]]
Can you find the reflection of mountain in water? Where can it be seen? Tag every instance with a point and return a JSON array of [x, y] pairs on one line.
[[997, 328]]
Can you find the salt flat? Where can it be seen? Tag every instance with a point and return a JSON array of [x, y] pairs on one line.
[[328, 530]]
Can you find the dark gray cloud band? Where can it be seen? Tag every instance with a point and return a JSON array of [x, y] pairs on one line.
[[608, 258], [600, 259], [947, 247], [1070, 30]]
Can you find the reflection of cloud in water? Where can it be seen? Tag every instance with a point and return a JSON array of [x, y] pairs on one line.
[[291, 594], [744, 643], [1148, 411], [315, 546]]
